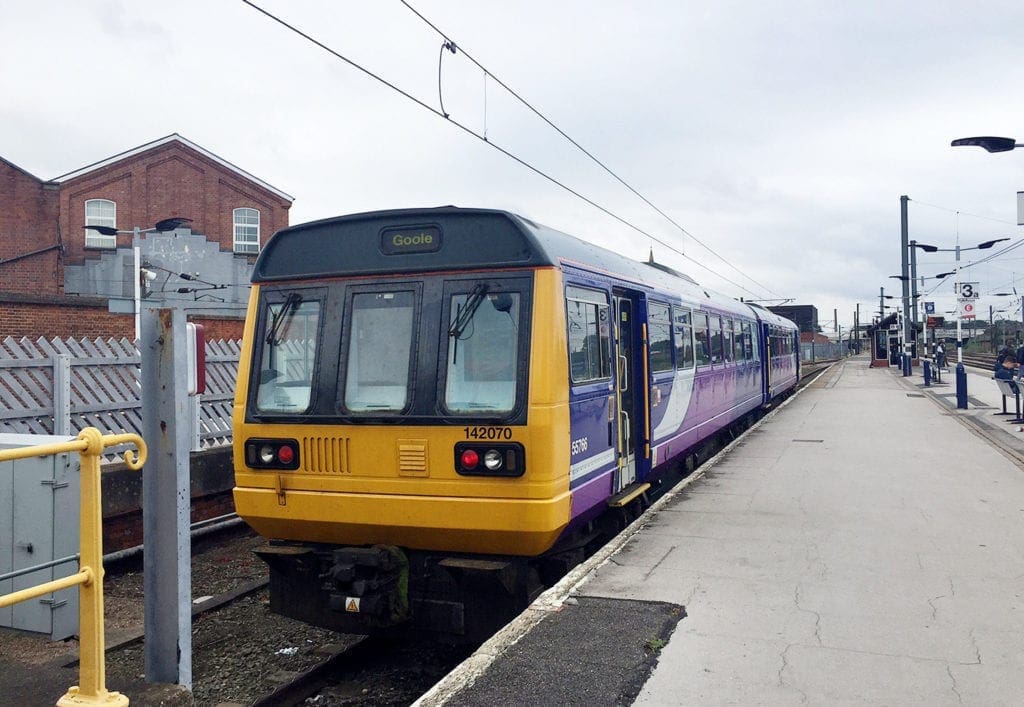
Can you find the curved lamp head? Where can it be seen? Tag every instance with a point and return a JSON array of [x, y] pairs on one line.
[[104, 230], [170, 224], [992, 144], [989, 244]]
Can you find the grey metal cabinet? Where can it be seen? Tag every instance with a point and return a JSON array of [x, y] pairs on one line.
[[39, 517]]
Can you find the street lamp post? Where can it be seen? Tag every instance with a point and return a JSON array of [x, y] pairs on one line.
[[915, 295], [961, 373], [143, 276]]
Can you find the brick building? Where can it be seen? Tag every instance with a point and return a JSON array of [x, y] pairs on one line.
[[58, 279]]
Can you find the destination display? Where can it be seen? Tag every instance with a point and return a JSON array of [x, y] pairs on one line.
[[418, 239]]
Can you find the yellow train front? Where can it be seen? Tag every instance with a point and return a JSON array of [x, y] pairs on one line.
[[401, 420]]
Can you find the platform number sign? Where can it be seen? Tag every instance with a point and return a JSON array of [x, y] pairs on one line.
[[968, 290]]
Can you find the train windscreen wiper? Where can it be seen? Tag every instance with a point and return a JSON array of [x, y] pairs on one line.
[[465, 316], [291, 303]]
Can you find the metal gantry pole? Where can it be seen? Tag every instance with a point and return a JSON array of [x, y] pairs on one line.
[[904, 247], [167, 569]]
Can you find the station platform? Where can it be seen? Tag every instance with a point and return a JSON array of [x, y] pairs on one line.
[[863, 543]]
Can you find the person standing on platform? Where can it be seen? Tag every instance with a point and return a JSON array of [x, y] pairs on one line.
[[940, 355]]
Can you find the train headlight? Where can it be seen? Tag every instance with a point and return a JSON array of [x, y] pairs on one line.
[[272, 454], [490, 459], [267, 455], [493, 460]]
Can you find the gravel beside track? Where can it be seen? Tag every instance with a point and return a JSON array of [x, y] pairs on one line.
[[241, 651]]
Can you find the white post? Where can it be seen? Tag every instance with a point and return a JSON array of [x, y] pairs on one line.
[[137, 270], [959, 310]]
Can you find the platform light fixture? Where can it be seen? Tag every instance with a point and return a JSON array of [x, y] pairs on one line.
[[991, 144]]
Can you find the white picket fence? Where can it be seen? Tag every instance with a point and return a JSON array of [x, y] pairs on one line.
[[62, 386]]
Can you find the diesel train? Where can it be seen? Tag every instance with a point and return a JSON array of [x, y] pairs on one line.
[[439, 408]]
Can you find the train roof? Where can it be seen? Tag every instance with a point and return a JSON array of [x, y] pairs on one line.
[[451, 238]]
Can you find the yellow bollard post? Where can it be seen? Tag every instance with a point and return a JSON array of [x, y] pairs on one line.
[[92, 666]]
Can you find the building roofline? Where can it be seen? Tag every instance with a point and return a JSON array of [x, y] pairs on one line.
[[22, 170], [173, 137]]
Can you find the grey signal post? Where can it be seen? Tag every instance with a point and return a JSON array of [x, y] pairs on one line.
[[904, 249], [167, 562]]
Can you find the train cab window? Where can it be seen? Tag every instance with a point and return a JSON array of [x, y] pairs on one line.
[[589, 334], [380, 340], [659, 336], [683, 336], [702, 344], [288, 354], [483, 345], [715, 335]]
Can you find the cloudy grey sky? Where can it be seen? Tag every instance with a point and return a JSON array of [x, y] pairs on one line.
[[781, 134]]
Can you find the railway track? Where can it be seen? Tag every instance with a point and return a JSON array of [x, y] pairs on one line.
[[234, 633], [986, 361]]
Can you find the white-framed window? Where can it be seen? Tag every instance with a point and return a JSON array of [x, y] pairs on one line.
[[247, 230], [100, 212]]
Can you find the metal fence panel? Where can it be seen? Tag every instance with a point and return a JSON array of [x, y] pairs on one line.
[[61, 386]]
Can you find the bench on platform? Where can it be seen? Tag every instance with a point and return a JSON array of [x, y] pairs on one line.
[[1009, 389]]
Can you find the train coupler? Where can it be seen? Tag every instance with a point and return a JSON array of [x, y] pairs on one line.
[[370, 581], [352, 589]]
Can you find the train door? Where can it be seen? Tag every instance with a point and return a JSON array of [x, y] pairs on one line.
[[627, 393]]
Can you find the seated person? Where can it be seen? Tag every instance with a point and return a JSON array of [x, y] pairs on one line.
[[1006, 369]]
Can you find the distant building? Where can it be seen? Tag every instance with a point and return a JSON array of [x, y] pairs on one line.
[[58, 279], [805, 316]]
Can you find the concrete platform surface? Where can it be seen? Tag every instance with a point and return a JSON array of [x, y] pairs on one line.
[[863, 544]]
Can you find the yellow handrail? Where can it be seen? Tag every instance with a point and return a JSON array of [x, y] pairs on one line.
[[90, 444]]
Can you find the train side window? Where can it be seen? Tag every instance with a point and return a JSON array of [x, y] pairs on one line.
[[749, 344], [589, 334], [715, 334], [683, 337], [379, 351], [288, 354], [659, 336], [728, 353], [702, 345]]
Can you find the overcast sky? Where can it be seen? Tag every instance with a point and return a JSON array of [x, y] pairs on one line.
[[781, 134]]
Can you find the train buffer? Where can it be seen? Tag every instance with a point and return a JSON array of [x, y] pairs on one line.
[[863, 544]]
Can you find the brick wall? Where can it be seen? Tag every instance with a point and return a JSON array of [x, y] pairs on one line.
[[75, 317], [168, 180], [28, 223], [85, 317]]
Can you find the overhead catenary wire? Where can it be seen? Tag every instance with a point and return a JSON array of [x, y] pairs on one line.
[[577, 145], [489, 142]]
